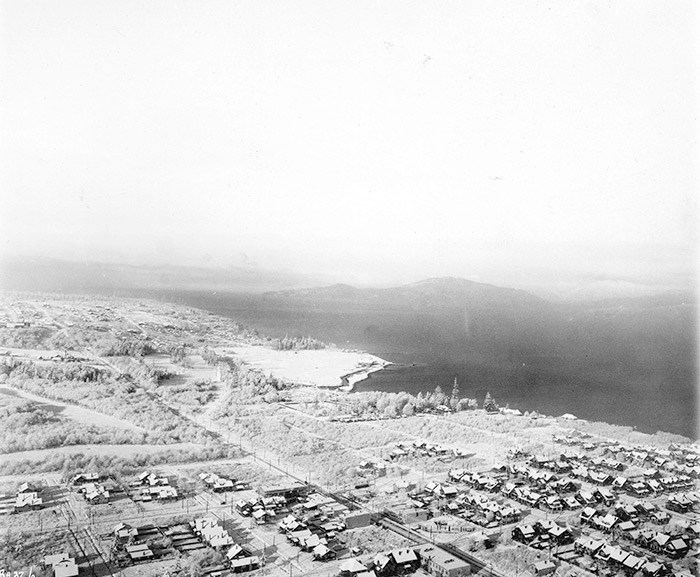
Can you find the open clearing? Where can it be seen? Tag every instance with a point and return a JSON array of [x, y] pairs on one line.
[[323, 368], [80, 414], [118, 450]]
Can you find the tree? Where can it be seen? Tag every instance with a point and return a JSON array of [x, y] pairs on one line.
[[454, 399], [439, 398], [408, 410], [490, 405]]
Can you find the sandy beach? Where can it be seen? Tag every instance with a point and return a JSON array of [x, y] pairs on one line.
[[330, 368]]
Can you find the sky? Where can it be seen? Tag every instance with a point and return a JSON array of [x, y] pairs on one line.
[[511, 142]]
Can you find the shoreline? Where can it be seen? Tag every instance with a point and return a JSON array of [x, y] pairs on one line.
[[349, 381]]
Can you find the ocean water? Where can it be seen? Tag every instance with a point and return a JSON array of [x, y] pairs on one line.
[[433, 349]]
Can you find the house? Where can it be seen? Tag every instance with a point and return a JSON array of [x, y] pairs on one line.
[[357, 519], [166, 493], [587, 514], [588, 545], [599, 478], [679, 504], [405, 560], [607, 522], [51, 560], [543, 568], [67, 568], [660, 517], [626, 512], [605, 496], [619, 483], [657, 542], [322, 553], [653, 569], [553, 503], [638, 489], [524, 534], [632, 564], [440, 563], [289, 490], [624, 528], [586, 498], [235, 552], [83, 478], [95, 493], [351, 568], [124, 532], [617, 556], [693, 530], [245, 564], [560, 535], [27, 502], [384, 564], [139, 552], [676, 548]]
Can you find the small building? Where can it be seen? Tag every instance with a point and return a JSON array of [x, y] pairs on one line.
[[676, 548], [543, 568], [245, 564], [67, 568], [405, 560], [139, 552], [352, 567], [51, 560], [440, 563], [288, 490], [27, 502], [357, 519]]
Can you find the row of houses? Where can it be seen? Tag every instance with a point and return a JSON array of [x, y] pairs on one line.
[[683, 503], [680, 459], [261, 509], [434, 560], [149, 486], [616, 558], [423, 449], [312, 535], [542, 533], [219, 484], [211, 532], [674, 546]]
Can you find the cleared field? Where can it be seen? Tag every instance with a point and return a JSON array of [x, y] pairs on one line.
[[118, 450], [81, 414], [196, 369], [323, 368]]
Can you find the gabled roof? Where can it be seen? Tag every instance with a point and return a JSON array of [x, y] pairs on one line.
[[66, 568], [404, 555]]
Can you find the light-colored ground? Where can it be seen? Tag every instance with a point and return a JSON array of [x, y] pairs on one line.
[[197, 369], [80, 414], [323, 368], [120, 450]]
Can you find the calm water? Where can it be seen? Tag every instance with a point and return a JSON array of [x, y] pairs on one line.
[[433, 349]]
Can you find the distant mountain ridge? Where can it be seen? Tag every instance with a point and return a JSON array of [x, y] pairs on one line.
[[42, 274], [434, 293]]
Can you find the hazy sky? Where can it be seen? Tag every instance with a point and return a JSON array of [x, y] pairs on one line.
[[371, 141]]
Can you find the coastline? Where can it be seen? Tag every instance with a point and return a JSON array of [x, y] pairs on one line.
[[351, 379]]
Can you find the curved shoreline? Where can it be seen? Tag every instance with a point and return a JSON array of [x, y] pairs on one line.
[[349, 380]]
